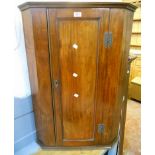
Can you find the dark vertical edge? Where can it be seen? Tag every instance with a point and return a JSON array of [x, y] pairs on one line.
[[51, 72], [60, 75], [56, 74]]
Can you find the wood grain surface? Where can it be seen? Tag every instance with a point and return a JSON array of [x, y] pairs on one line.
[[36, 40], [77, 83]]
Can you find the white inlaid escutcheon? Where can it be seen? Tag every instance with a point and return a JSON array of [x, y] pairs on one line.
[[76, 95], [75, 46], [75, 74]]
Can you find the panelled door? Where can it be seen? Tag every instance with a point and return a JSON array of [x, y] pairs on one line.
[[76, 39]]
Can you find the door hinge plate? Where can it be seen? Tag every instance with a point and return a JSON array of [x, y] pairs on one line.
[[100, 128], [110, 39], [107, 39]]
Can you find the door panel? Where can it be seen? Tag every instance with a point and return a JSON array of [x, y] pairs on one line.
[[77, 79], [76, 42]]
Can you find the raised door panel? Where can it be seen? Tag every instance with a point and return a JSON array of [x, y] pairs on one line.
[[78, 55], [76, 42]]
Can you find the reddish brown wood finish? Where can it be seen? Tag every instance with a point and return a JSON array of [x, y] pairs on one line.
[[78, 112], [76, 117], [111, 70], [120, 5], [125, 75], [108, 83], [61, 118], [36, 40]]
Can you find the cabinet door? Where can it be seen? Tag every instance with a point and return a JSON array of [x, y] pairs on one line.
[[76, 37]]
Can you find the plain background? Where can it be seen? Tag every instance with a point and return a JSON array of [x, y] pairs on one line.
[[7, 46]]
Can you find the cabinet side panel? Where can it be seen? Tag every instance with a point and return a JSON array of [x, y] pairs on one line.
[[112, 77], [116, 73], [36, 41], [116, 27], [125, 74]]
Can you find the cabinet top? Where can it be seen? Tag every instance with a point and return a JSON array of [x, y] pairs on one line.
[[27, 5]]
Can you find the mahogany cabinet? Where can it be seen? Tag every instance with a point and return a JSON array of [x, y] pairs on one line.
[[77, 57]]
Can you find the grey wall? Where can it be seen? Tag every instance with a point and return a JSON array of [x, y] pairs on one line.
[[24, 126]]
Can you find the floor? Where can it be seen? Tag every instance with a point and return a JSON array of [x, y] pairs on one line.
[[132, 139], [30, 149], [73, 152]]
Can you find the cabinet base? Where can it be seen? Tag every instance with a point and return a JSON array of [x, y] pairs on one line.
[[102, 147]]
